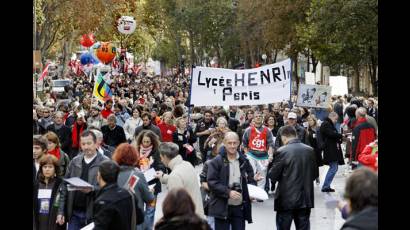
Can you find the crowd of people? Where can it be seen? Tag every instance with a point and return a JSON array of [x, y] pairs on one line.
[[149, 124]]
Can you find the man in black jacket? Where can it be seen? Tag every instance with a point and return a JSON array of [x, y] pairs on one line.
[[63, 132], [294, 167], [147, 124], [114, 207], [228, 176], [332, 151]]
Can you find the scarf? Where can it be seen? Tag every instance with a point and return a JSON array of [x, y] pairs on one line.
[[74, 136], [55, 152], [144, 152], [144, 161]]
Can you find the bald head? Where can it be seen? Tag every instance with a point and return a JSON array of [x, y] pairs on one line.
[[361, 112], [231, 143]]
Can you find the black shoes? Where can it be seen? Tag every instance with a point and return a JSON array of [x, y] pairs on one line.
[[328, 190]]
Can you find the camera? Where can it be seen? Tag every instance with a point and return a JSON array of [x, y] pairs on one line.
[[236, 187]]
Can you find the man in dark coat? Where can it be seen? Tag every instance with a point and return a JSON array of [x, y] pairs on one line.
[[228, 176], [63, 132], [294, 167], [301, 132], [114, 207], [332, 151], [112, 133], [147, 124]]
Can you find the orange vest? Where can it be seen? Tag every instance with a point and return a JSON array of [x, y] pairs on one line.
[[258, 140]]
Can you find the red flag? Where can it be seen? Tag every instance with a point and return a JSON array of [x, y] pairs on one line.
[[45, 72]]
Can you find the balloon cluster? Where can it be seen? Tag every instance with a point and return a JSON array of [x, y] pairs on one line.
[[98, 51]]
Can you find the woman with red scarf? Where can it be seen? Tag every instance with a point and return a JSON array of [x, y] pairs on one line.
[[54, 149], [78, 128], [147, 143]]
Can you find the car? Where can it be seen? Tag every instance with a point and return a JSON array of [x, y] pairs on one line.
[[58, 86]]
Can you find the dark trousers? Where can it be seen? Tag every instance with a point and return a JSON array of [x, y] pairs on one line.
[[300, 216], [235, 219], [77, 221]]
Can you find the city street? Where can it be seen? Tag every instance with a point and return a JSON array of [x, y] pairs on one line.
[[264, 217]]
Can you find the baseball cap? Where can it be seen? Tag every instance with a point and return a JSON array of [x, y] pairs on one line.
[[292, 115]]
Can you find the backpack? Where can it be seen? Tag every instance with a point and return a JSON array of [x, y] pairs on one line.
[[137, 213]]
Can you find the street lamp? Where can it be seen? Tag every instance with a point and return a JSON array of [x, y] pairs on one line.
[[264, 56]]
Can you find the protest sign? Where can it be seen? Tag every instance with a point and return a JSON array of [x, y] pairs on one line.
[[317, 96], [339, 85], [262, 85]]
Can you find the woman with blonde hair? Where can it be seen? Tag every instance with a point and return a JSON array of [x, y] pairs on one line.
[[184, 137]]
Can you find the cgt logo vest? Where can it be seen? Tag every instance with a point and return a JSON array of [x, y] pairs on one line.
[[257, 140]]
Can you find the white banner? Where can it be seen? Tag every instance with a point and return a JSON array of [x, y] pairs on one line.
[[262, 85], [339, 85], [317, 96]]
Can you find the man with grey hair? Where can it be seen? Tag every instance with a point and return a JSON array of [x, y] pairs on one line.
[[363, 134], [332, 151], [113, 134], [63, 132], [103, 149], [182, 175]]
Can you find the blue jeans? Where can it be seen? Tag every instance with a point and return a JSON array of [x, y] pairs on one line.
[[77, 221], [333, 166], [300, 216], [149, 216]]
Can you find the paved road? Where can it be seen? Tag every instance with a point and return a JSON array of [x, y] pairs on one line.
[[263, 215]]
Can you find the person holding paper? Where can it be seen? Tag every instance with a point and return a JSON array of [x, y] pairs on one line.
[[294, 168], [182, 175], [147, 143], [84, 166], [47, 195]]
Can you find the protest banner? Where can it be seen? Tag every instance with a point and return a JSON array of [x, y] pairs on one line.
[[339, 85], [316, 96], [224, 87], [310, 78]]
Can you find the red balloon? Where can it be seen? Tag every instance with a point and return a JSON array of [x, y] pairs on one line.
[[87, 40]]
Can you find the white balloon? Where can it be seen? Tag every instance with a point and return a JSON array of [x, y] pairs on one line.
[[127, 25]]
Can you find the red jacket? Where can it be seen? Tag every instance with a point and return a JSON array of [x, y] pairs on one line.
[[166, 131], [368, 159], [105, 113], [363, 134]]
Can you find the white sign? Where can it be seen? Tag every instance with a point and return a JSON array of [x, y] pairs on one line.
[[339, 85], [262, 85], [310, 78], [317, 96]]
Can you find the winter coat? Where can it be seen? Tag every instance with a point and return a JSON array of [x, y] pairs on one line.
[[74, 170], [183, 175], [332, 150], [313, 142], [363, 134], [55, 203], [113, 209], [218, 182], [369, 155], [158, 166], [294, 167], [367, 219]]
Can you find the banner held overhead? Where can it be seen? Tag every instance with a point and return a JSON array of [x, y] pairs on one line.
[[262, 85]]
